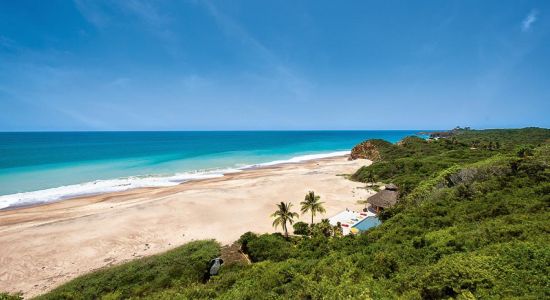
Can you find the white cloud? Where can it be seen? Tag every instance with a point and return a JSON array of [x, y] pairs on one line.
[[528, 21]]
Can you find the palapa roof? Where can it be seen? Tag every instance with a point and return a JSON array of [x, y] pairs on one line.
[[384, 198]]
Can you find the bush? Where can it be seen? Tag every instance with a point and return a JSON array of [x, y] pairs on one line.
[[525, 150], [301, 228], [181, 266], [269, 247], [245, 239], [454, 275], [6, 296], [383, 265], [322, 228]]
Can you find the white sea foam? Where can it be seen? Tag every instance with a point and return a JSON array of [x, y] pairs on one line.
[[298, 159], [123, 184]]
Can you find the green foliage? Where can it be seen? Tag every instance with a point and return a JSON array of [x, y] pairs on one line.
[[412, 161], [525, 150], [472, 223], [284, 215], [323, 228], [312, 204], [269, 247], [245, 239], [301, 228], [6, 296], [455, 274], [507, 139], [178, 267]]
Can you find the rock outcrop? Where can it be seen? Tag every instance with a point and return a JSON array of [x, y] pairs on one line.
[[366, 150]]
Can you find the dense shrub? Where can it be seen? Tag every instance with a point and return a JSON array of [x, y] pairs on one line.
[[415, 160], [178, 267], [245, 239], [6, 296], [301, 228], [269, 247]]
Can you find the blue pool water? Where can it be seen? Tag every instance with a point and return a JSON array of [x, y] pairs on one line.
[[367, 223], [38, 167]]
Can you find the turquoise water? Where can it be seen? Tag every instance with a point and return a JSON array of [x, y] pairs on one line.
[[367, 223], [38, 167]]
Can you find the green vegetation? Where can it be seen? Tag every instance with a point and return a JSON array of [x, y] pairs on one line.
[[180, 267], [472, 222], [414, 160], [272, 247], [311, 203], [301, 228], [283, 215], [6, 296]]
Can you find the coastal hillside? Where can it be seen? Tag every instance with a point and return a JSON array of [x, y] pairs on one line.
[[471, 222]]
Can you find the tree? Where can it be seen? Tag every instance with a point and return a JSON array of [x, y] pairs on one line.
[[301, 228], [525, 150], [283, 215], [311, 203], [323, 228], [337, 230]]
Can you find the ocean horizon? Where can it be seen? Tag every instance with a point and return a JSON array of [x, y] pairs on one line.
[[42, 167]]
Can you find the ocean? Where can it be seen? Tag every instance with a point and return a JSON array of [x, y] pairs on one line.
[[41, 167]]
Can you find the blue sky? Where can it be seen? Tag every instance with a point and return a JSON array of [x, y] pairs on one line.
[[211, 65]]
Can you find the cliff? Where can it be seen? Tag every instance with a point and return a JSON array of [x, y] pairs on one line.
[[370, 149]]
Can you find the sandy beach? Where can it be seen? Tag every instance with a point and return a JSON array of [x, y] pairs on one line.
[[44, 246]]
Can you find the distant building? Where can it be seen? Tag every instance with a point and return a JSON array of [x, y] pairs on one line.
[[385, 198]]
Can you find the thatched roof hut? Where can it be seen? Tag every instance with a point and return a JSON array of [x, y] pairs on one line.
[[383, 199]]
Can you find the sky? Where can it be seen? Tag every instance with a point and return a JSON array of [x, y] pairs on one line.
[[273, 65]]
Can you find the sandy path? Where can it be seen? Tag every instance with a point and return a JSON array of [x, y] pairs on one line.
[[44, 246]]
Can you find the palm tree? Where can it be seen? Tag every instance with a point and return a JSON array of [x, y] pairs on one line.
[[284, 215], [311, 203], [325, 228]]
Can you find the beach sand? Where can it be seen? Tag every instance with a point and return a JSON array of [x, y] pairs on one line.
[[44, 246]]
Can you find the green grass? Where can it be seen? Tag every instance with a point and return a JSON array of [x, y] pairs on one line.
[[6, 296], [180, 267]]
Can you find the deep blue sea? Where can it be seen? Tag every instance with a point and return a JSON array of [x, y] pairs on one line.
[[39, 167]]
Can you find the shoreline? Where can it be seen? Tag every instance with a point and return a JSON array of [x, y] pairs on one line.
[[42, 196], [224, 176], [42, 246]]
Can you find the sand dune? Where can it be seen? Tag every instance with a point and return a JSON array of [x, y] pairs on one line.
[[44, 246]]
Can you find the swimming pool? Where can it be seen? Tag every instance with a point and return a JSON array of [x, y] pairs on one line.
[[367, 223]]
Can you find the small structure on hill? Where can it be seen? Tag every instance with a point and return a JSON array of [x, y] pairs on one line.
[[385, 198]]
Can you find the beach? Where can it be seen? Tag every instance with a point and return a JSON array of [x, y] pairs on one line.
[[44, 246]]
